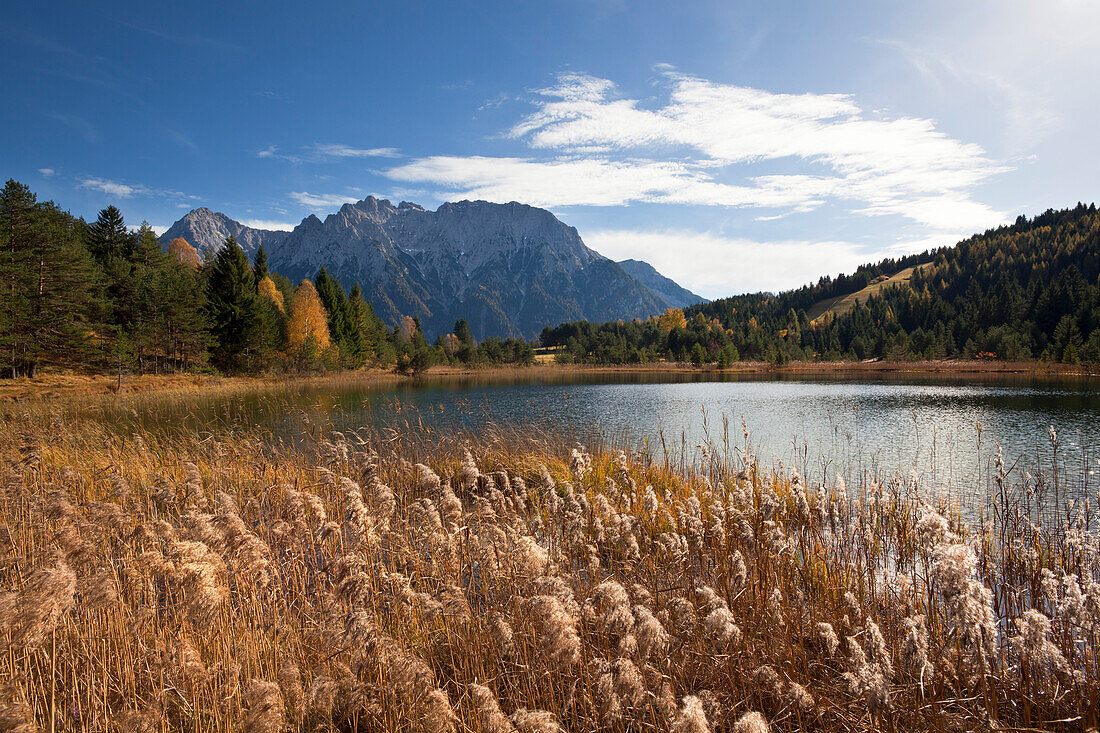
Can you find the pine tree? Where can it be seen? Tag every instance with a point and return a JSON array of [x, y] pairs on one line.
[[233, 310], [50, 282]]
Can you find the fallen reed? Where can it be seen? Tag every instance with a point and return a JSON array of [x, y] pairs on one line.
[[507, 581]]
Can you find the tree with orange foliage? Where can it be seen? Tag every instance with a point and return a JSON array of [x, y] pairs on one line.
[[408, 327], [184, 252], [307, 326]]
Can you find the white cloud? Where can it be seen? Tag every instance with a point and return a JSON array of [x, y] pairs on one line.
[[114, 188], [279, 226], [703, 146], [46, 172], [159, 229], [601, 182], [322, 200], [346, 151], [128, 190], [716, 266], [319, 152]]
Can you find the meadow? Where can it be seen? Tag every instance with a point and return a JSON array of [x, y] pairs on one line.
[[509, 579]]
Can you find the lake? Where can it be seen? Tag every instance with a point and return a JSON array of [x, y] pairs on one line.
[[946, 430]]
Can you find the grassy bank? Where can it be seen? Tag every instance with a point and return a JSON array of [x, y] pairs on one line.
[[67, 384], [506, 581]]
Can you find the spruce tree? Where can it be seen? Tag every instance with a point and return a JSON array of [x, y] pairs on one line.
[[232, 310], [185, 335], [371, 329], [341, 325], [259, 266], [108, 235]]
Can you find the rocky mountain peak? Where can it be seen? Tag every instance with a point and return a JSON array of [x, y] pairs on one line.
[[509, 269]]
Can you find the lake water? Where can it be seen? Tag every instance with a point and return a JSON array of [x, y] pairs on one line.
[[945, 430]]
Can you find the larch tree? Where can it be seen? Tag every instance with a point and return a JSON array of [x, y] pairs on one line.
[[266, 289], [183, 252], [307, 324]]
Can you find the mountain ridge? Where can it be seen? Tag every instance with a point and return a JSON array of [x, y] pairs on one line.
[[676, 295], [509, 269]]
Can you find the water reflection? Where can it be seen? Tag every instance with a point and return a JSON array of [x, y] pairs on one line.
[[945, 430]]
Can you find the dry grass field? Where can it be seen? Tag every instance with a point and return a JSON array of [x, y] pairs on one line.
[[507, 581]]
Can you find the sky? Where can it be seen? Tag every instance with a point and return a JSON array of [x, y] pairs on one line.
[[737, 147]]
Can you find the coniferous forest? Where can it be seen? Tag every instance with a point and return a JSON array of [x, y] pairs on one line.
[[101, 297], [1025, 292]]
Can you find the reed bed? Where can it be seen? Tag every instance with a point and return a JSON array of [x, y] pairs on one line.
[[511, 582]]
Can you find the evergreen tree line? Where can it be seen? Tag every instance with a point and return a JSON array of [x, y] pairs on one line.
[[102, 297], [1029, 291]]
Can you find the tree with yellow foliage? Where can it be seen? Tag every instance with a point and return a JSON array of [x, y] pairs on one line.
[[307, 326], [267, 289], [671, 319]]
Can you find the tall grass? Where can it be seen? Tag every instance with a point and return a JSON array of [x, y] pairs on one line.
[[508, 581]]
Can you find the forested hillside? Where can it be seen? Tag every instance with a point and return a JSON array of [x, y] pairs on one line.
[[102, 297], [1020, 292]]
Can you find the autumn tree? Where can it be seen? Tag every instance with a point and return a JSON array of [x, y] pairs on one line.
[[183, 252], [307, 325], [267, 290], [671, 319]]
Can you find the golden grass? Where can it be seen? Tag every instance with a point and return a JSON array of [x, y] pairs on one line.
[[505, 581]]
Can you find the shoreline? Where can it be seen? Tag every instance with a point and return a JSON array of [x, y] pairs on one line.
[[69, 384]]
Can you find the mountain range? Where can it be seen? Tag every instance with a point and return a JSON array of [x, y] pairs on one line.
[[509, 269]]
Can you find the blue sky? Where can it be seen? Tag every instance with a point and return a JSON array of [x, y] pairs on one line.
[[735, 146]]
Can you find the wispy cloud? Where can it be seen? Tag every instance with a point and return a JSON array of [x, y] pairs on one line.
[[46, 172], [125, 190], [79, 125], [319, 152], [704, 143], [207, 43], [1028, 114], [323, 200], [493, 102], [181, 139], [335, 150], [602, 182]]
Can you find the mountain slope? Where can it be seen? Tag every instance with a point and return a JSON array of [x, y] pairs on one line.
[[665, 288], [206, 230], [1026, 291], [509, 269]]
